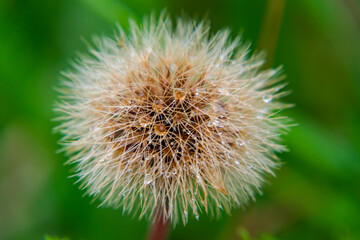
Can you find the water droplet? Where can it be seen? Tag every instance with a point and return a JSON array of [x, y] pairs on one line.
[[173, 67], [132, 53], [172, 143], [144, 121], [220, 207], [185, 212], [267, 98], [140, 195], [222, 57], [224, 91], [237, 162], [149, 50], [212, 77], [196, 93], [167, 175], [174, 172], [197, 215], [260, 115], [147, 179], [240, 142]]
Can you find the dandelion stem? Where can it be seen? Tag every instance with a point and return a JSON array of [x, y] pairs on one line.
[[160, 228]]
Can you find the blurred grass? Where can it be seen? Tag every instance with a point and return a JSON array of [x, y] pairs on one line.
[[314, 196]]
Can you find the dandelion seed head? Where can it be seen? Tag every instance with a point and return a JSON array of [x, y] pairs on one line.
[[168, 117]]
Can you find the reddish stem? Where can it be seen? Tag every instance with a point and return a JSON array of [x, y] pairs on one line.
[[159, 229]]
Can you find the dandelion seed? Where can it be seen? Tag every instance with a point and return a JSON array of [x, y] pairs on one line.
[[171, 107]]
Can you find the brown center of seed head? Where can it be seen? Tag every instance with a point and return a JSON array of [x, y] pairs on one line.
[[158, 105], [160, 129], [174, 116], [179, 95]]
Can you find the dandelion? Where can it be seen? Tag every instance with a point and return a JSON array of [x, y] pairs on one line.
[[171, 118]]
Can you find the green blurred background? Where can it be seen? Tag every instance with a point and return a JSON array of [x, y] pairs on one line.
[[315, 195]]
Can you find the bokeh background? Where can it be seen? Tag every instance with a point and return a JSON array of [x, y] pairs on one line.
[[316, 194]]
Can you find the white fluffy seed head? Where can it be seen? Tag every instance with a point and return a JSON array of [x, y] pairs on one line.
[[172, 118]]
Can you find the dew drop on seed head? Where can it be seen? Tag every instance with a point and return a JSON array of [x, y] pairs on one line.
[[260, 115], [237, 162], [173, 67], [224, 91], [267, 98], [239, 142], [212, 77], [196, 215], [147, 179], [149, 50]]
